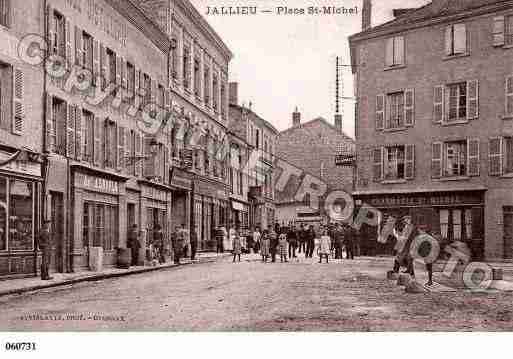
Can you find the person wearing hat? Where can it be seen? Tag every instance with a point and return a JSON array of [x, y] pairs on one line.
[[45, 245]]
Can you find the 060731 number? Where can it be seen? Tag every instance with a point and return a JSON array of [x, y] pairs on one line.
[[20, 346]]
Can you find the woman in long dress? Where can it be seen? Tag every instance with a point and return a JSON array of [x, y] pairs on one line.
[[324, 246], [264, 246], [237, 247]]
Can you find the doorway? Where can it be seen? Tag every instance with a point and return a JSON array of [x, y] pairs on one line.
[[508, 232], [58, 245]]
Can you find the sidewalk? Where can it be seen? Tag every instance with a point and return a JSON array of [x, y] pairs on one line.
[[23, 285]]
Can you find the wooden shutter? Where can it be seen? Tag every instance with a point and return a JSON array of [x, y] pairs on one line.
[[50, 28], [472, 99], [495, 156], [138, 154], [149, 161], [121, 148], [98, 127], [380, 111], [18, 116], [436, 159], [136, 82], [438, 104], [103, 66], [79, 48], [409, 168], [460, 38], [119, 63], [70, 131], [50, 130], [389, 52], [473, 163], [448, 40], [124, 73], [409, 107], [96, 62], [399, 50], [128, 145], [498, 31], [377, 155], [69, 40], [509, 96], [80, 134]]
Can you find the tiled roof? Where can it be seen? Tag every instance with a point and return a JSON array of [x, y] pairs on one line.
[[432, 11]]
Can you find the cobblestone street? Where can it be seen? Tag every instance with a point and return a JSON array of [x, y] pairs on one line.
[[302, 296]]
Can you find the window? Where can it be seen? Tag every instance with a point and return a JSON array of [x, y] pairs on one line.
[[215, 90], [100, 225], [394, 163], [231, 182], [87, 43], [186, 67], [457, 101], [110, 144], [197, 77], [456, 224], [501, 156], [5, 96], [131, 79], [223, 102], [395, 51], [509, 30], [111, 60], [257, 139], [3, 214], [456, 40], [59, 35], [161, 96], [174, 59], [509, 96], [58, 123], [5, 12], [147, 88], [206, 84], [395, 118], [455, 159], [88, 119], [239, 183]]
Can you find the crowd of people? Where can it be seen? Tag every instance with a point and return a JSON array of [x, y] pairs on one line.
[[287, 242]]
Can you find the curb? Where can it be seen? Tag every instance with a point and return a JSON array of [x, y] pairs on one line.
[[99, 277]]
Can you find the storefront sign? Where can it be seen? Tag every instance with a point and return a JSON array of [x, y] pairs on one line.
[[210, 189], [179, 180], [96, 184], [425, 200], [154, 193]]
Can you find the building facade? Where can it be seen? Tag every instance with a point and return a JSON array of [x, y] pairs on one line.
[[260, 136], [21, 141], [311, 147], [434, 121]]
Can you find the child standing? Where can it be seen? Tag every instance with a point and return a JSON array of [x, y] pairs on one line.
[[282, 243], [237, 246], [324, 246], [265, 245]]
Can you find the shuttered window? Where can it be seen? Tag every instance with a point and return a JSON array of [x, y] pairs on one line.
[[509, 96], [500, 156], [457, 102], [88, 119], [455, 158], [186, 72], [498, 31], [18, 102], [5, 13], [395, 51], [206, 85], [456, 40], [58, 126], [87, 51], [215, 94]]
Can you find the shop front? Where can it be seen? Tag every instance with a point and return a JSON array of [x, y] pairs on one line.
[[210, 211], [240, 216], [99, 205], [451, 216], [20, 189], [181, 184], [155, 209]]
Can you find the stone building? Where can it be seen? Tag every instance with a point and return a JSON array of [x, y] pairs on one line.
[[435, 120], [261, 136], [312, 147], [21, 141], [198, 80]]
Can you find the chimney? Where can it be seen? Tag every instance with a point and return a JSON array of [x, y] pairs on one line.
[[338, 121], [296, 118], [366, 15], [438, 5], [233, 93]]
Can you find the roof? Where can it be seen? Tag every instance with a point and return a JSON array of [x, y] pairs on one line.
[[255, 116], [433, 10], [312, 122]]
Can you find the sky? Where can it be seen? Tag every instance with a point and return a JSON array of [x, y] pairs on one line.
[[284, 61]]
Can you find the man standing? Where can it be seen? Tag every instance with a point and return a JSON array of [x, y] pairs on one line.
[[338, 238], [310, 242], [256, 240], [158, 242], [292, 239], [45, 245], [349, 238], [273, 236], [194, 244], [302, 239], [184, 238], [134, 244], [177, 242]]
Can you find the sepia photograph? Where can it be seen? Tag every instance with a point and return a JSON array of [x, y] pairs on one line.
[[230, 166]]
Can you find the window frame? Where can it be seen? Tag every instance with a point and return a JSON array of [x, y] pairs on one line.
[[450, 35], [396, 162], [392, 44], [460, 162]]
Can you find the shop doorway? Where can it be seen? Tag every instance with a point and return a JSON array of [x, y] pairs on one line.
[[130, 215], [508, 232], [58, 246]]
